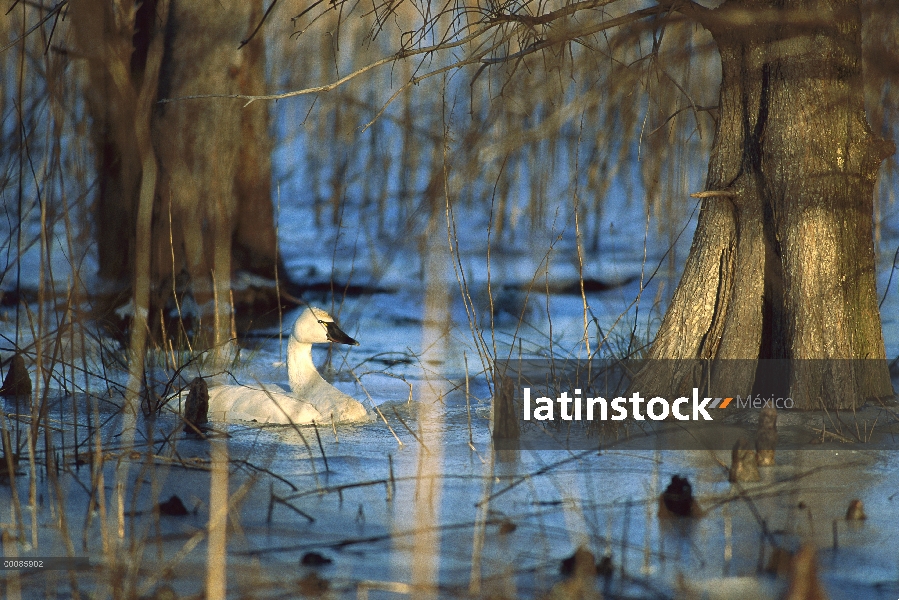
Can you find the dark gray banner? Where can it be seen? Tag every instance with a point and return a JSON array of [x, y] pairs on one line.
[[693, 405], [44, 563]]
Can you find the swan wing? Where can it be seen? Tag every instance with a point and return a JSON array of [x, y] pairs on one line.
[[333, 404], [264, 404]]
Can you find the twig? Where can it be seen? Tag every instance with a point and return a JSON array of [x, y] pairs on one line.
[[320, 446], [714, 194], [409, 429]]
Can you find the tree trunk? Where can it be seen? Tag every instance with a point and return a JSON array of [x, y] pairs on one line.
[[255, 242], [197, 142], [213, 212], [106, 42], [782, 261]]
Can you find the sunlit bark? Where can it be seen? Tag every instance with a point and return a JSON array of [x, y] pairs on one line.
[[782, 263]]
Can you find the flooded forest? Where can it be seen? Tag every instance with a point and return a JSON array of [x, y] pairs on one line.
[[282, 283]]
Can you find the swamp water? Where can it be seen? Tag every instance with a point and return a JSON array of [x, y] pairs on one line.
[[440, 514], [422, 506]]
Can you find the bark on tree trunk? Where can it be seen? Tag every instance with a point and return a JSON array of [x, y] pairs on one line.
[[255, 243], [104, 37], [213, 213], [197, 142], [782, 262]]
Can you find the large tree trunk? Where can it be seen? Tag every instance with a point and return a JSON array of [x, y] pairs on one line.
[[782, 261], [197, 142], [213, 212]]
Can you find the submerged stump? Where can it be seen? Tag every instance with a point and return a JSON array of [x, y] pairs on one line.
[[17, 383], [766, 437], [506, 432], [677, 500], [803, 576], [856, 511], [196, 409], [744, 466]]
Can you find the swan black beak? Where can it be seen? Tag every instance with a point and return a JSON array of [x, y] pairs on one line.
[[336, 335]]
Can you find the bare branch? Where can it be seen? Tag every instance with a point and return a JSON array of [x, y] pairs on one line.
[[50, 15], [572, 35], [479, 56], [258, 26], [714, 194]]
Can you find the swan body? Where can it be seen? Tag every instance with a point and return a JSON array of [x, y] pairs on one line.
[[311, 398]]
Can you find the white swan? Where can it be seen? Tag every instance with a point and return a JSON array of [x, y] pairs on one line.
[[311, 397]]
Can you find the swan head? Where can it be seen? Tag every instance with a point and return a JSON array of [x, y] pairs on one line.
[[315, 326]]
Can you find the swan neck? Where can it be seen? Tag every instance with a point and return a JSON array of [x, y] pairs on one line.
[[300, 369]]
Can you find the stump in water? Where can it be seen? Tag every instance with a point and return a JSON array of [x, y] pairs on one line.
[[677, 500], [803, 577], [16, 386], [766, 437], [173, 507], [17, 383], [505, 418], [581, 563], [744, 466], [856, 511], [196, 408], [580, 570]]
